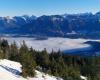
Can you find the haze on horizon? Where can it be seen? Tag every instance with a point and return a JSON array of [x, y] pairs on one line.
[[47, 7]]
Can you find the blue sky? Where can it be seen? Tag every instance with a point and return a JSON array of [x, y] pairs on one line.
[[47, 7]]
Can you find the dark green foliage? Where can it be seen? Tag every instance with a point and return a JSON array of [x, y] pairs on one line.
[[26, 59], [28, 64], [42, 59], [68, 67], [13, 52]]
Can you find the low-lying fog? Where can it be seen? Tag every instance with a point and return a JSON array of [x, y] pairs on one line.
[[64, 44]]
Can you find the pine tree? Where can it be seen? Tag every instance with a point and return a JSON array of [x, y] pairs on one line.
[[13, 52]]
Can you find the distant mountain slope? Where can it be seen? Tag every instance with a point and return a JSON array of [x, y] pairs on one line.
[[67, 25]]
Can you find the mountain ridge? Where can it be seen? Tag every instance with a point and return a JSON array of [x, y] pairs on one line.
[[85, 25]]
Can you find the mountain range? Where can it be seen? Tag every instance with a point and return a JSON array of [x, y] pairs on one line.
[[85, 25]]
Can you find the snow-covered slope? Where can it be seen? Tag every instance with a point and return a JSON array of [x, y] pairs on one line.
[[10, 70], [43, 76], [83, 77]]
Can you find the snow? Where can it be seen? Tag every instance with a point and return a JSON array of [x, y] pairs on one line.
[[64, 44], [11, 64], [73, 32], [8, 72], [83, 77], [56, 18], [43, 76], [8, 69]]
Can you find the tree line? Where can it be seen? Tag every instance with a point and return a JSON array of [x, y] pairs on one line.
[[68, 67]]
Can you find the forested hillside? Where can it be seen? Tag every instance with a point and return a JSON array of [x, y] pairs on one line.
[[68, 67]]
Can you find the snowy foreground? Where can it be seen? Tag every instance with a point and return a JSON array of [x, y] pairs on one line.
[[10, 70], [64, 44]]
